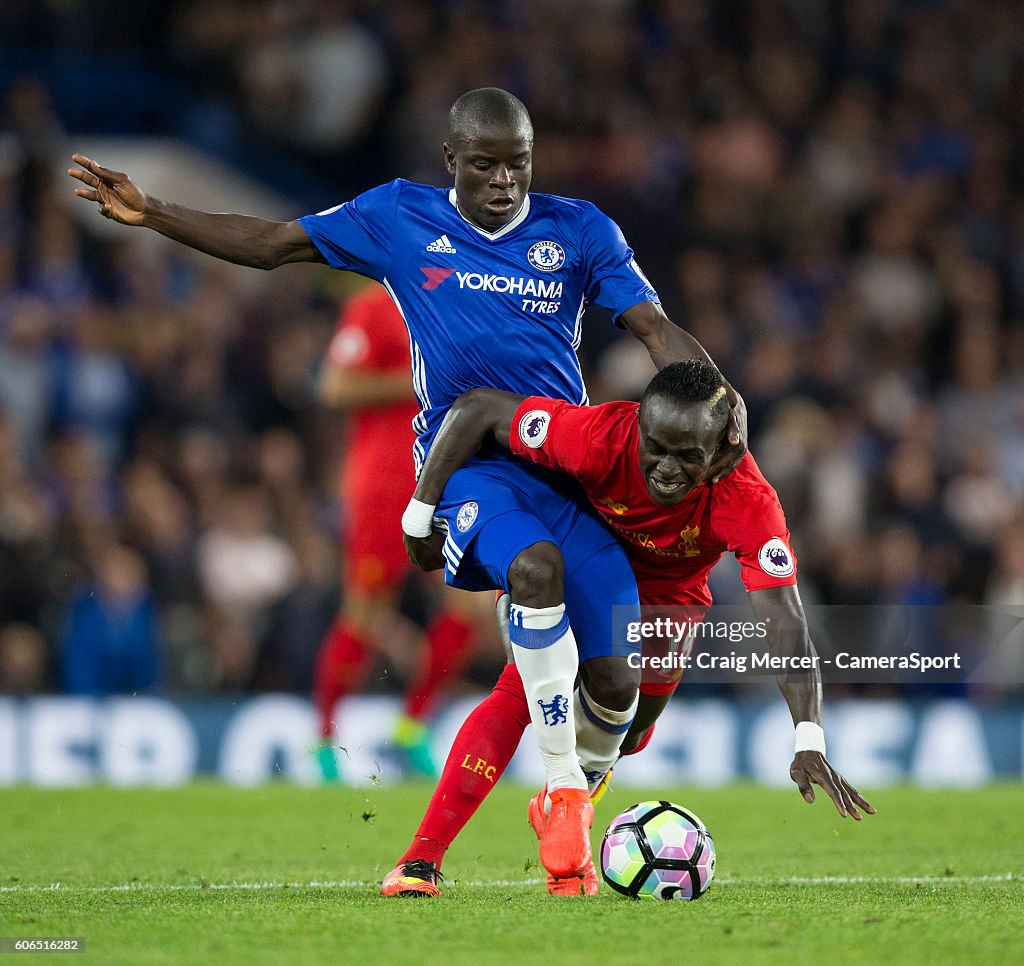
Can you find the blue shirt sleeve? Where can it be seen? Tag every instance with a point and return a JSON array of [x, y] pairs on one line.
[[613, 278], [356, 236]]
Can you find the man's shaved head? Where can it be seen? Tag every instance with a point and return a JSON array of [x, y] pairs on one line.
[[489, 152], [485, 109]]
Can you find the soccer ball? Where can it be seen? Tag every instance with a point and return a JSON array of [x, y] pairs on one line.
[[658, 850]]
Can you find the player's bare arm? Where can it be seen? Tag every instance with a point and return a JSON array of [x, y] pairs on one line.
[[782, 613], [242, 239], [339, 388], [473, 417], [667, 343]]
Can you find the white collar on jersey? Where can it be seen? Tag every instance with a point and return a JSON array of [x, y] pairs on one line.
[[520, 217]]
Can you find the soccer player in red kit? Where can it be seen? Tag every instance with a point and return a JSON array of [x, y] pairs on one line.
[[645, 470], [366, 371]]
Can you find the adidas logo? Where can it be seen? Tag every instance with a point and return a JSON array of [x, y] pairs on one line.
[[441, 244]]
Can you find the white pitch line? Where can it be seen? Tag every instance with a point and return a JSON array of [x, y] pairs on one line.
[[245, 886], [509, 883], [875, 879]]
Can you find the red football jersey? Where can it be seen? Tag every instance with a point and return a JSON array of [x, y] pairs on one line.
[[371, 337], [671, 548]]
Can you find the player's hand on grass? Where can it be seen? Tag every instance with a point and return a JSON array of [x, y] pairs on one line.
[[119, 199], [734, 444], [425, 552], [812, 767]]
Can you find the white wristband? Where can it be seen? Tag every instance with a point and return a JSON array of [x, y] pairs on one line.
[[809, 737], [418, 519]]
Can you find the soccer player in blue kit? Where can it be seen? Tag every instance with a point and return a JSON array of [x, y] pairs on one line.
[[492, 282]]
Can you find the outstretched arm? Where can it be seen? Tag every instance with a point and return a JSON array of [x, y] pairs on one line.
[[782, 613], [667, 343], [473, 417], [242, 239]]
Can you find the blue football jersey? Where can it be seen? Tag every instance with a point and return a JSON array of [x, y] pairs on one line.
[[498, 309]]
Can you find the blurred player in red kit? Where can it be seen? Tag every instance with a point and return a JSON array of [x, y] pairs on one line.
[[366, 372]]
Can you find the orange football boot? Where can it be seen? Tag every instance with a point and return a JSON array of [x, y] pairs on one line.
[[565, 842], [585, 884], [412, 880]]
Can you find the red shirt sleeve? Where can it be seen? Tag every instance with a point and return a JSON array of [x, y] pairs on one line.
[[748, 519], [370, 335], [559, 435]]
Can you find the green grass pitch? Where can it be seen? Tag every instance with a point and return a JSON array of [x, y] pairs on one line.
[[278, 874]]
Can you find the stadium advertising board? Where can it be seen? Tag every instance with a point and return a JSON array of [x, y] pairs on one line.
[[65, 742]]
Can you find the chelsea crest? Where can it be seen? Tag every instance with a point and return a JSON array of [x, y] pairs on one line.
[[466, 516], [548, 256]]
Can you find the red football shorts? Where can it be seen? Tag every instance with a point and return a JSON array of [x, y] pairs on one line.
[[662, 687], [371, 543], [658, 683]]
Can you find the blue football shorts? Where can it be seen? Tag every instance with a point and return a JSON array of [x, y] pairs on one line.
[[495, 508]]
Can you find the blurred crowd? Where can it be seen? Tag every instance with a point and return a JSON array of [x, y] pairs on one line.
[[829, 195]]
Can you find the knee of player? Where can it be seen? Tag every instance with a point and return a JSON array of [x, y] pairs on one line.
[[535, 576], [613, 688]]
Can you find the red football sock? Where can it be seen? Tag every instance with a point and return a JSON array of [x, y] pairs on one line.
[[480, 754], [644, 741], [448, 640], [342, 665]]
